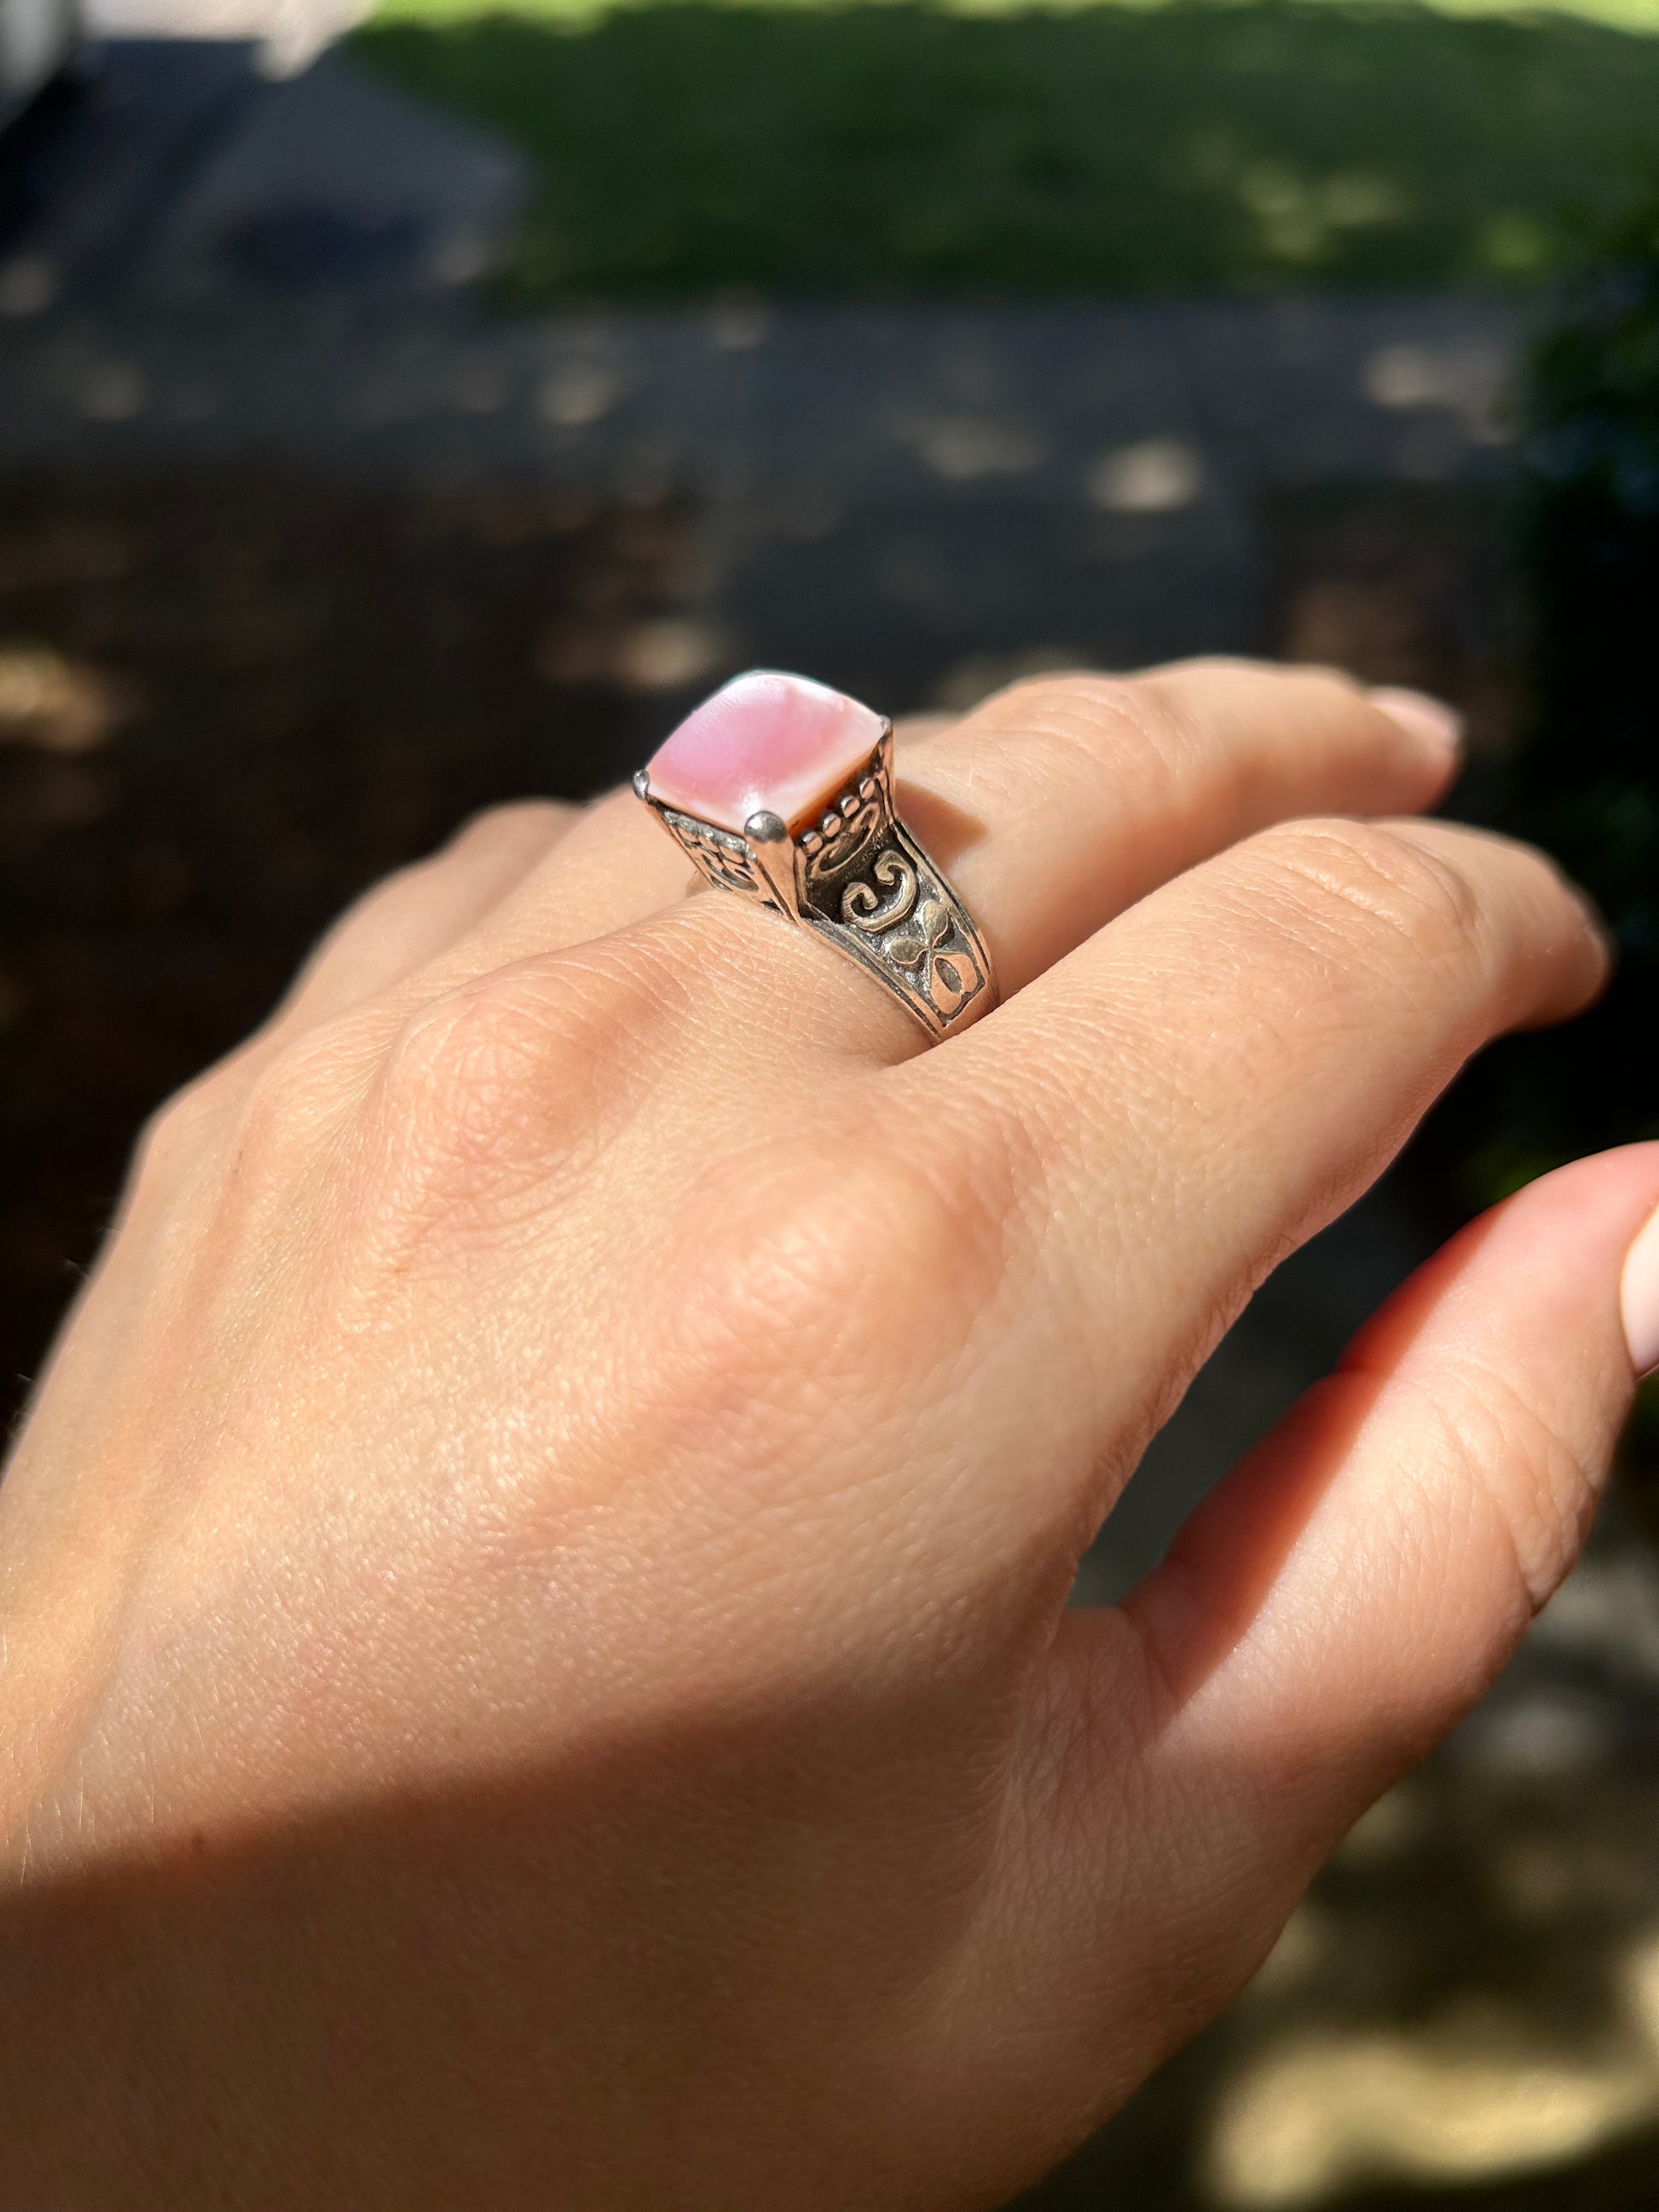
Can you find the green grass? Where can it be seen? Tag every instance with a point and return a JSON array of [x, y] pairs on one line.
[[1200, 145]]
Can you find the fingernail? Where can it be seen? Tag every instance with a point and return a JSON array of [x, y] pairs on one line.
[[1437, 725], [1638, 1299]]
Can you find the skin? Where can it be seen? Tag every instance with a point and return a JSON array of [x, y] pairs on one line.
[[531, 1593]]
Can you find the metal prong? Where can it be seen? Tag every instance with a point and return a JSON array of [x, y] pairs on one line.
[[773, 850], [881, 763], [641, 783]]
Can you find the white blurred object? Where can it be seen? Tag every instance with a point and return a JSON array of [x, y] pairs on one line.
[[290, 34], [37, 37], [1469, 380]]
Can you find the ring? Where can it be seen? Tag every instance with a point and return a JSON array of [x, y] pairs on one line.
[[781, 790]]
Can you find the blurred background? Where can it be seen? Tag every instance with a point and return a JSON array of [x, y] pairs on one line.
[[401, 414]]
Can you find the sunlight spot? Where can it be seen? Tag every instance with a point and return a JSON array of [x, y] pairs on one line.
[[963, 447], [1286, 209], [578, 395], [1515, 245], [29, 285], [1314, 2119], [1548, 1733], [662, 656], [113, 392], [1298, 214], [48, 701], [738, 323], [460, 254], [1358, 200], [1157, 475], [1469, 380]]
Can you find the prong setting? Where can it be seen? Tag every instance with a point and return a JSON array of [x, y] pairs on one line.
[[851, 872]]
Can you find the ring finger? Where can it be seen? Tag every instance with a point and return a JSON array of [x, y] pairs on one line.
[[1053, 806]]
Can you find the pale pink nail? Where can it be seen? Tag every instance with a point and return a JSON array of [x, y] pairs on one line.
[[1638, 1299], [1438, 726], [765, 743]]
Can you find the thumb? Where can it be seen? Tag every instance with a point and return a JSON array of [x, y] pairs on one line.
[[1329, 1612]]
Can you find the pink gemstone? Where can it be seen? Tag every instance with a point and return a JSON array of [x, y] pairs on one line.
[[764, 743]]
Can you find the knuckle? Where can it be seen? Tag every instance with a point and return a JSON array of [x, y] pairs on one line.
[[463, 1063], [518, 824], [290, 1096], [1031, 697], [484, 1092], [454, 1056], [491, 844], [1539, 1488], [497, 836], [450, 1102], [175, 1133], [1085, 712], [372, 911], [1338, 686], [1064, 729], [837, 1263], [1371, 876]]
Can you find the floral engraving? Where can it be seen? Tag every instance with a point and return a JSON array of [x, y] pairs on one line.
[[948, 975], [724, 859]]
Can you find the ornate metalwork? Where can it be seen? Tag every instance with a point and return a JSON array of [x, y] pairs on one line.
[[855, 876], [724, 859]]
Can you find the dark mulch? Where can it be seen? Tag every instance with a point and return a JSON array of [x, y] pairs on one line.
[[228, 701]]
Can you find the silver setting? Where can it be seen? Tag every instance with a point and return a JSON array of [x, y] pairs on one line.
[[856, 878]]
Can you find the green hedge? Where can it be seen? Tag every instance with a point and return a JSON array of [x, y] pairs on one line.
[[1588, 785]]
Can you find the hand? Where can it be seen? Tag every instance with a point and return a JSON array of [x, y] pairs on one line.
[[532, 1608]]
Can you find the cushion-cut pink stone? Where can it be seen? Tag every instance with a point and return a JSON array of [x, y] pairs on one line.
[[764, 743]]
